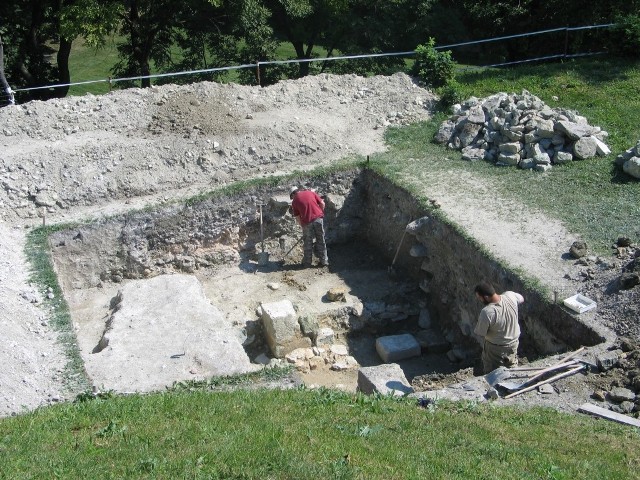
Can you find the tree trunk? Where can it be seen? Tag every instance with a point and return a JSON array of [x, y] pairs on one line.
[[62, 59], [6, 95], [138, 46], [303, 67]]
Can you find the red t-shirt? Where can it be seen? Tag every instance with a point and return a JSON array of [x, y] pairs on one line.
[[307, 205]]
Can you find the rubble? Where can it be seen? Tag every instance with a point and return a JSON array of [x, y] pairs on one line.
[[520, 130]]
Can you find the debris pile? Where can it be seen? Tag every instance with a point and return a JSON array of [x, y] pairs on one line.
[[630, 161], [518, 380], [619, 388], [520, 130]]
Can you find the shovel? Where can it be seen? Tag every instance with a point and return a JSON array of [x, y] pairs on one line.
[[291, 249], [263, 257], [391, 270]]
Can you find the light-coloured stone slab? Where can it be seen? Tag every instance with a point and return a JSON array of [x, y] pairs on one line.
[[164, 330], [397, 347], [281, 327], [385, 379]]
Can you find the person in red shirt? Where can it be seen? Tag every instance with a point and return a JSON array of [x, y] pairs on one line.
[[308, 207]]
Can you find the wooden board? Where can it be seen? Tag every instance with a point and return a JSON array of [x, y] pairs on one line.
[[608, 414]]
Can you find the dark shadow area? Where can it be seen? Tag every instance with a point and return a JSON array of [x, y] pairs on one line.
[[608, 70], [383, 291], [618, 176]]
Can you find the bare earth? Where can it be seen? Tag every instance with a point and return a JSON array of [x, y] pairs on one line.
[[88, 157]]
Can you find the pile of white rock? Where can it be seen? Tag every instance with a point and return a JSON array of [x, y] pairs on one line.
[[520, 130], [630, 161]]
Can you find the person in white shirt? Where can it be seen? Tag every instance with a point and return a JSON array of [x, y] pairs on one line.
[[498, 325]]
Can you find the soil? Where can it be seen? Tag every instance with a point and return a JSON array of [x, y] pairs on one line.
[[85, 158]]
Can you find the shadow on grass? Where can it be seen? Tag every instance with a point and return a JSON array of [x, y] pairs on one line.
[[619, 177], [608, 69]]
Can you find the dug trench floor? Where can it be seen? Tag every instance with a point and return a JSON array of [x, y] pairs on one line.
[[237, 290]]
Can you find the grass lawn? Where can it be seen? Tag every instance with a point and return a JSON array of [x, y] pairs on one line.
[[300, 434]]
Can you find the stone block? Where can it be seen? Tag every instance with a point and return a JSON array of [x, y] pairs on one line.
[[397, 347], [281, 327], [325, 336], [262, 359], [424, 319], [601, 148], [384, 379], [337, 294], [418, 250], [619, 394], [309, 326], [608, 360]]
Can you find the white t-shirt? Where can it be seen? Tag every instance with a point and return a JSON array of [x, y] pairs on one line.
[[498, 322]]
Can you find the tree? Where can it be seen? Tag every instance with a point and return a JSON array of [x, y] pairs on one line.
[[30, 28], [345, 26], [491, 18], [6, 95], [221, 34]]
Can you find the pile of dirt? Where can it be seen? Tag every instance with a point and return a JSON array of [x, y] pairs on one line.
[[89, 157]]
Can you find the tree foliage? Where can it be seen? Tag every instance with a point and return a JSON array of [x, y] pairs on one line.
[[433, 67], [626, 36], [176, 35], [29, 28]]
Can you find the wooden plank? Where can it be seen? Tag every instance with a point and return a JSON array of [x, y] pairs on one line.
[[540, 369], [608, 414], [549, 380]]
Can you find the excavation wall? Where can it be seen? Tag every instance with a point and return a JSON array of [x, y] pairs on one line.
[[447, 264], [361, 207]]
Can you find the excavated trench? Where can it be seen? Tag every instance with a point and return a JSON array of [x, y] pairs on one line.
[[185, 292]]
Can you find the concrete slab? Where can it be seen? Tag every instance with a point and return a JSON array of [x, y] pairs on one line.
[[397, 347], [385, 379], [164, 330]]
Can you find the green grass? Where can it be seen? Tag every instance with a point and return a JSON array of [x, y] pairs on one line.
[[299, 434], [88, 64], [43, 274], [593, 198]]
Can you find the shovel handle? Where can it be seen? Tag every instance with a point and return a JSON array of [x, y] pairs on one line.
[[261, 230], [398, 249], [294, 246]]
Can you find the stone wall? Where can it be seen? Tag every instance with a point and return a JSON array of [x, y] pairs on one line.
[[447, 267], [185, 238]]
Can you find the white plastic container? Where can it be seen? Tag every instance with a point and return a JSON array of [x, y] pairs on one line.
[[580, 303]]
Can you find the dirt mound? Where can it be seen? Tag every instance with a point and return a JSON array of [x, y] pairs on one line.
[[91, 156], [85, 151]]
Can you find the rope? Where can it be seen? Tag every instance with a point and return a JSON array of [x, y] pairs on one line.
[[345, 57]]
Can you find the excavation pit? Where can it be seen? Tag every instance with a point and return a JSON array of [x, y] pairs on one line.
[[179, 292]]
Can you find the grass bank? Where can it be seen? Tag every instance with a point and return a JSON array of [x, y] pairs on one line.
[[300, 434], [593, 198]]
